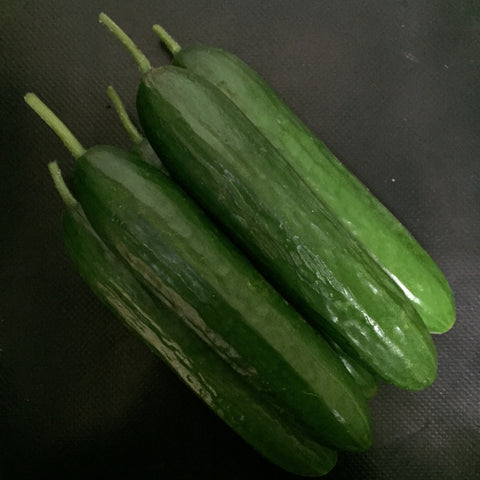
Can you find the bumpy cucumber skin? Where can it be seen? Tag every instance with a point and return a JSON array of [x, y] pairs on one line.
[[263, 426], [365, 217], [182, 258], [228, 166]]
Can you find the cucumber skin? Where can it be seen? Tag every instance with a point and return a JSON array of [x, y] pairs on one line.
[[218, 156], [365, 217], [265, 428], [181, 257]]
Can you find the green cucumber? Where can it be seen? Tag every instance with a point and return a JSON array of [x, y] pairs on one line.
[[241, 180], [177, 253], [264, 427], [363, 215]]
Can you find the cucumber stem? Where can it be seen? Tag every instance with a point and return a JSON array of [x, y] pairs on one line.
[[61, 186], [142, 61], [119, 107], [62, 131], [166, 38]]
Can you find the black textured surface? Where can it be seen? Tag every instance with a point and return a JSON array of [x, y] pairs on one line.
[[391, 86]]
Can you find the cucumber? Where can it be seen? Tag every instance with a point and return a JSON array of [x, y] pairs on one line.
[[242, 181], [363, 215], [196, 272], [263, 426]]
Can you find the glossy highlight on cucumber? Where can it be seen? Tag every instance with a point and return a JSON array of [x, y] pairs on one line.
[[363, 215]]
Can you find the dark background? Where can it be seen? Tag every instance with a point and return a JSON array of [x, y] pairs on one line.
[[393, 87]]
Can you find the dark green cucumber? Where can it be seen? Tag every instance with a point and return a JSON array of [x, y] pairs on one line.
[[229, 167], [363, 215], [195, 271], [140, 143], [189, 266], [235, 173], [263, 426]]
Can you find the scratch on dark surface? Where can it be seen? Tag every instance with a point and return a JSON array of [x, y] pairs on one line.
[[410, 56]]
